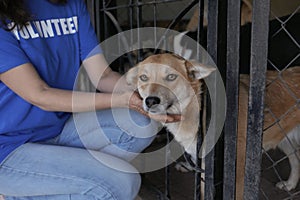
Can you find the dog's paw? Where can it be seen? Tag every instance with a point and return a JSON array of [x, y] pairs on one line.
[[286, 185]]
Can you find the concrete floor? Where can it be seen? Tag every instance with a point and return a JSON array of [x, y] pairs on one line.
[[182, 184]]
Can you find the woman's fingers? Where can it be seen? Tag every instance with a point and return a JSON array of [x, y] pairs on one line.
[[166, 118]]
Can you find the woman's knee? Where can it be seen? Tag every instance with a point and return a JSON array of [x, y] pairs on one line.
[[141, 126], [123, 186], [131, 186], [130, 122]]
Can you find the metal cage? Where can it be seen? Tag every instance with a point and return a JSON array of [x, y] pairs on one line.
[[269, 40]]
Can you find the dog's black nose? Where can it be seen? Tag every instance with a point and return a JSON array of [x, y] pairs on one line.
[[151, 101]]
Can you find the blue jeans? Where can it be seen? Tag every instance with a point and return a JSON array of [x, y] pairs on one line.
[[89, 160]]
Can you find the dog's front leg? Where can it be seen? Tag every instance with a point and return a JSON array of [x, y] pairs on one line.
[[291, 183], [289, 146]]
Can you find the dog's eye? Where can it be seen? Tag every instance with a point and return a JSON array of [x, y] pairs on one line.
[[143, 78], [171, 77]]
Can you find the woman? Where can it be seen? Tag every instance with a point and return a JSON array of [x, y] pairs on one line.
[[45, 151]]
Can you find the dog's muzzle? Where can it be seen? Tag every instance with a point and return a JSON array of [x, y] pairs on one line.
[[154, 104], [152, 101]]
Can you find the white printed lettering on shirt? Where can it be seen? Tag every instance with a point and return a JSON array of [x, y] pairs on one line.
[[56, 25], [38, 27], [71, 26], [24, 33], [47, 28], [31, 31], [14, 31], [75, 21], [64, 26]]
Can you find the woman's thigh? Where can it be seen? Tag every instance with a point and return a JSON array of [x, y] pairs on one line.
[[59, 172], [119, 132]]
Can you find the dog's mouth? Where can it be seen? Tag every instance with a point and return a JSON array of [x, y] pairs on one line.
[[154, 105], [158, 109]]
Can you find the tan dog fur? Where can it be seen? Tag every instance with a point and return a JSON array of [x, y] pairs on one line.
[[281, 105], [178, 96]]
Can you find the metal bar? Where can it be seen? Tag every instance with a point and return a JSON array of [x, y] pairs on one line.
[[212, 41], [197, 190], [198, 174], [155, 20], [212, 29], [232, 84], [258, 64], [200, 30], [221, 105], [139, 19], [167, 168], [97, 19], [105, 21], [130, 19]]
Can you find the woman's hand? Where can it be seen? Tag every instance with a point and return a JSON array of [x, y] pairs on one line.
[[169, 118], [136, 103]]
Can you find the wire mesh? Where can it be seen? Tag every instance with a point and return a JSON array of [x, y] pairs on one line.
[[283, 58]]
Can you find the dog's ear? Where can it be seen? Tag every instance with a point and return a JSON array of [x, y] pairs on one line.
[[132, 77], [198, 70]]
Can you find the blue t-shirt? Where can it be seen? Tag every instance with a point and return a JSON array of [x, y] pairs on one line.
[[56, 41]]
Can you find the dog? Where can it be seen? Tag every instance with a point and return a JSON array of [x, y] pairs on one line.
[[281, 123], [172, 85], [169, 84]]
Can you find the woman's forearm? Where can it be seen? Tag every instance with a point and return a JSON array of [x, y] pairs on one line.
[[114, 83], [102, 76], [25, 82], [52, 99]]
